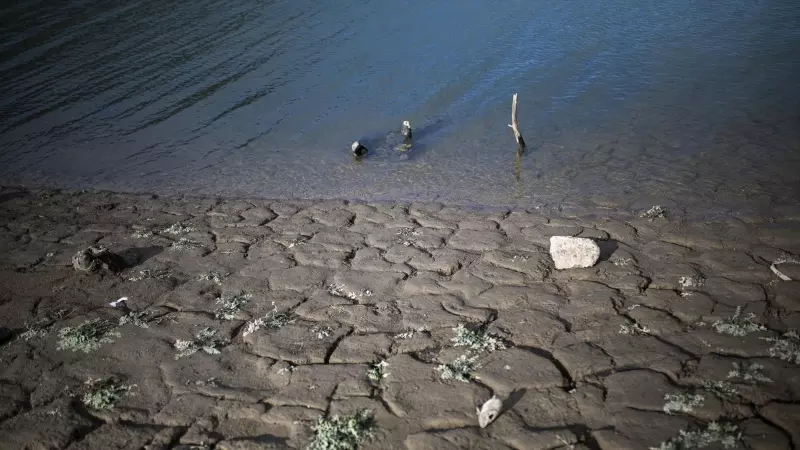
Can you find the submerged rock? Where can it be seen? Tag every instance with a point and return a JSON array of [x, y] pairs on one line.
[[573, 252]]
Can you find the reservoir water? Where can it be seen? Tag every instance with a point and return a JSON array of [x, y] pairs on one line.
[[693, 104]]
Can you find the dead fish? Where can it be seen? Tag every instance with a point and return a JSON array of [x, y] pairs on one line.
[[489, 411], [358, 149]]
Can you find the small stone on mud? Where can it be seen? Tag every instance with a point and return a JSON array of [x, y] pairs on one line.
[[573, 252], [97, 257]]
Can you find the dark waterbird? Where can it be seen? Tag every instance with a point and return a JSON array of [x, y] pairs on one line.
[[358, 149], [405, 131]]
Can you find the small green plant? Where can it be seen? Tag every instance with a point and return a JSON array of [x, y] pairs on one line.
[[142, 234], [786, 347], [343, 433], [137, 318], [635, 329], [693, 281], [322, 331], [404, 235], [231, 306], [146, 273], [211, 382], [271, 320], [215, 277], [476, 340], [622, 262], [297, 241], [105, 394], [377, 372], [40, 327], [204, 340], [738, 325], [722, 389], [185, 244], [337, 290], [726, 435], [656, 212], [682, 402], [407, 334], [179, 228], [88, 336], [748, 374], [461, 369]]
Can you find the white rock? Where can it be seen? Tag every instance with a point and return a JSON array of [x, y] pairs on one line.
[[571, 252]]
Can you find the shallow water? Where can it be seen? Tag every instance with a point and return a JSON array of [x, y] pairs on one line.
[[693, 104]]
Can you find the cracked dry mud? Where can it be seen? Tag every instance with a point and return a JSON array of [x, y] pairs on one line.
[[590, 354]]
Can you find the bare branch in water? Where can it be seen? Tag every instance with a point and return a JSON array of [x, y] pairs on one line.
[[515, 125]]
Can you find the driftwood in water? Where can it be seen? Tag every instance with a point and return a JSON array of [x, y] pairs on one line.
[[515, 125]]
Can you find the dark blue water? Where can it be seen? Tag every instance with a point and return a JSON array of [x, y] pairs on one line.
[[693, 102]]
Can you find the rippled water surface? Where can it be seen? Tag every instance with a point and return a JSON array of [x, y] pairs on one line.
[[694, 102]]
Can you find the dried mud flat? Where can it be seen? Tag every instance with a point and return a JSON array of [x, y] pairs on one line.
[[246, 321]]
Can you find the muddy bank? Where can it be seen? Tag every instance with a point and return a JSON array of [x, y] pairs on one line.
[[247, 320]]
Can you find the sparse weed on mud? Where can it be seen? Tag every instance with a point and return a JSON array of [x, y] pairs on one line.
[[338, 290], [40, 327], [185, 244], [88, 336], [214, 277], [136, 318], [656, 212], [682, 402], [178, 229], [407, 334], [727, 435], [460, 369], [748, 373], [478, 341], [634, 329], [271, 320], [142, 234], [405, 235], [738, 325], [377, 372], [231, 306], [321, 331], [786, 347], [158, 274], [343, 433], [722, 389], [105, 394], [204, 340], [693, 281]]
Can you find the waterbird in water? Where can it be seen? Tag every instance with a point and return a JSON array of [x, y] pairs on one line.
[[406, 132], [358, 149]]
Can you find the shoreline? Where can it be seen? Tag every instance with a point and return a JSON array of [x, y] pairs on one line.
[[549, 206], [246, 320]]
